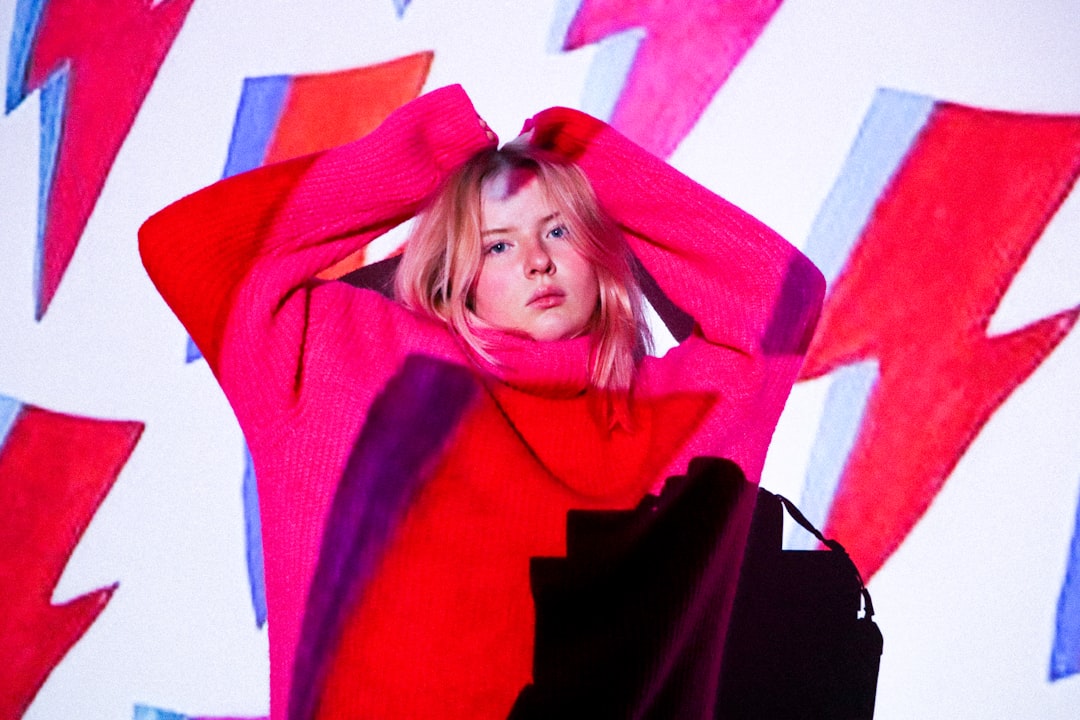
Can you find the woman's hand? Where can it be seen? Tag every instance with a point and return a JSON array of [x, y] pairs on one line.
[[563, 131]]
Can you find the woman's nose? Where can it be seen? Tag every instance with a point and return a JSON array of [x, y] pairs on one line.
[[539, 261]]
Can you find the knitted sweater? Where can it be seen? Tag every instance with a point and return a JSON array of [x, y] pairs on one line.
[[404, 484]]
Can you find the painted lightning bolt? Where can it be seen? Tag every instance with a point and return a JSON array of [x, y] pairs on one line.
[[94, 63], [686, 53], [55, 470], [147, 712], [913, 302]]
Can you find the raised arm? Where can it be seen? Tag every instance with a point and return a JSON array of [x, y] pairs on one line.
[[744, 285], [235, 260]]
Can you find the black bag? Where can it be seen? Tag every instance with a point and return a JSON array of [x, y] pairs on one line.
[[796, 645], [630, 623]]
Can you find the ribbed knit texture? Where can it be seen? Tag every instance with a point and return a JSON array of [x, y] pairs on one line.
[[443, 628]]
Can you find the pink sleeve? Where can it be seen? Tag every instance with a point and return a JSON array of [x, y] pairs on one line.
[[237, 261], [745, 287]]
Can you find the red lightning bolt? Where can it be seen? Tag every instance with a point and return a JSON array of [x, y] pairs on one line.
[[54, 472], [111, 50], [918, 291], [689, 50]]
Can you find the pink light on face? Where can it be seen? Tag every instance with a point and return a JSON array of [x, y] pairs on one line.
[[532, 279]]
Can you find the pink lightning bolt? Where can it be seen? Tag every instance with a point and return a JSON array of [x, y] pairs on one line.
[[689, 50], [940, 249], [98, 59]]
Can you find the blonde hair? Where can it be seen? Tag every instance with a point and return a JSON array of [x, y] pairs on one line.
[[443, 256]]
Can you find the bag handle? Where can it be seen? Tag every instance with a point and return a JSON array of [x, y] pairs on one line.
[[835, 546]]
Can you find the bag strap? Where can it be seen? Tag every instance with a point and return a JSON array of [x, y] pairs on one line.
[[835, 546]]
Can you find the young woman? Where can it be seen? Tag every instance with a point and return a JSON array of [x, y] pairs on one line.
[[414, 455]]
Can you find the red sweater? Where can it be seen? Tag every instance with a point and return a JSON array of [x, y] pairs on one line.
[[396, 550]]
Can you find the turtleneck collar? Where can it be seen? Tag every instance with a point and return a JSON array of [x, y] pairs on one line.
[[557, 368]]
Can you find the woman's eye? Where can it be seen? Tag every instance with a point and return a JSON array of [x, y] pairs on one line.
[[497, 248], [557, 231]]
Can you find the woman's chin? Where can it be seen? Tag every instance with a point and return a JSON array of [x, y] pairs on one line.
[[557, 333]]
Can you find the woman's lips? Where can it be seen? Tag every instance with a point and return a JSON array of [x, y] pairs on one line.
[[547, 298]]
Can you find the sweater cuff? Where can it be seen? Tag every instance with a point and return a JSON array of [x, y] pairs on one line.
[[565, 131], [447, 127], [417, 146]]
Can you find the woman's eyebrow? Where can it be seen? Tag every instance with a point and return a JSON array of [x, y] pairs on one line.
[[543, 221]]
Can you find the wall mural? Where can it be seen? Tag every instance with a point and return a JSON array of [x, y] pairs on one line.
[[944, 202], [55, 470], [932, 215], [964, 195], [682, 52], [94, 64]]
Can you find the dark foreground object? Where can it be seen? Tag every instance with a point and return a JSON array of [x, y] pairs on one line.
[[796, 647], [631, 624]]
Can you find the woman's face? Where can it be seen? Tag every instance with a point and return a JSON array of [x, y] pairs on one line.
[[532, 278]]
